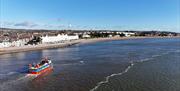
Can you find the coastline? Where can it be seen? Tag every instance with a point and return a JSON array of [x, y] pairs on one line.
[[65, 44], [93, 40]]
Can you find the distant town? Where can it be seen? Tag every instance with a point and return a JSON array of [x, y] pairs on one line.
[[22, 37]]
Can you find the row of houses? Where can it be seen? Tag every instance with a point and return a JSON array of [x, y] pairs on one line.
[[106, 34], [22, 39], [44, 40], [126, 34], [58, 38], [17, 43]]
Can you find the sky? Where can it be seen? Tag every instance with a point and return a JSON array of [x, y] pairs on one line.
[[162, 15]]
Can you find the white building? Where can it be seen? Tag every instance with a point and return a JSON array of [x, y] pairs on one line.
[[127, 34], [5, 44], [86, 36], [17, 43], [110, 35], [58, 38]]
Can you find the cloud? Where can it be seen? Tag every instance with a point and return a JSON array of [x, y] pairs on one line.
[[26, 24]]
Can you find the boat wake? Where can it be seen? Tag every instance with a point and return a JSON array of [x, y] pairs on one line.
[[13, 83], [7, 74]]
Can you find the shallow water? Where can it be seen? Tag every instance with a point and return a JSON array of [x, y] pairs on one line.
[[124, 65]]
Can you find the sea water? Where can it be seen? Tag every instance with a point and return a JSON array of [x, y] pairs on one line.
[[121, 65]]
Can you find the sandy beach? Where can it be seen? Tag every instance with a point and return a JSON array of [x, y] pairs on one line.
[[36, 47], [65, 44]]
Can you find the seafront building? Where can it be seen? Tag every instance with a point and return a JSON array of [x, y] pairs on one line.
[[22, 37], [85, 35], [16, 43], [127, 34], [44, 40], [58, 39]]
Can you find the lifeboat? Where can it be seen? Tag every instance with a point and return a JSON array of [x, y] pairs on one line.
[[43, 66]]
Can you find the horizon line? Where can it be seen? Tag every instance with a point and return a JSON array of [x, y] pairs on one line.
[[140, 30]]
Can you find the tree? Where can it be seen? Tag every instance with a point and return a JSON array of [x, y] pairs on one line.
[[122, 35], [35, 40]]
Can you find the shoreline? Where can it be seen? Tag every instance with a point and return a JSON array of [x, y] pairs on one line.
[[66, 44]]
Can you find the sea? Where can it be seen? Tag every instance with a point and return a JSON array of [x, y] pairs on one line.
[[146, 64]]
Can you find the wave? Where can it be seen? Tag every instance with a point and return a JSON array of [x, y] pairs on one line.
[[155, 56], [77, 63], [128, 68], [112, 75], [171, 51], [177, 51], [146, 59]]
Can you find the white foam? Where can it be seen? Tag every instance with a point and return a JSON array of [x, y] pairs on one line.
[[155, 55], [81, 62], [9, 73], [146, 59], [108, 77], [129, 67], [25, 78], [78, 63], [177, 51]]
